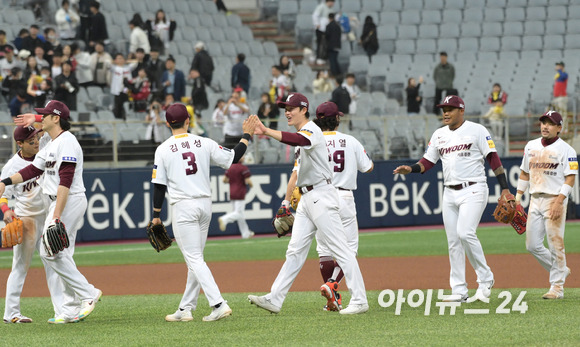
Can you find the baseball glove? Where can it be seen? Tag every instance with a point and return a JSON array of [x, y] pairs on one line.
[[158, 236], [520, 220], [283, 221], [12, 233], [505, 210], [55, 238], [295, 199]]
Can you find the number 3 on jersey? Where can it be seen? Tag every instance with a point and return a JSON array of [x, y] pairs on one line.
[[338, 159], [191, 169]]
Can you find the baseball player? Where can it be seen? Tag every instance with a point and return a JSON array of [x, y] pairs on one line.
[[73, 298], [181, 168], [549, 169], [318, 211], [238, 176], [30, 207], [462, 147], [348, 157]]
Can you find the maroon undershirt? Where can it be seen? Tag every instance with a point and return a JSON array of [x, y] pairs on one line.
[[547, 142], [66, 173], [294, 139]]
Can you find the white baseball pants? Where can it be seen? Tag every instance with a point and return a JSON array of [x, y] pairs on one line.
[[349, 222], [237, 215], [191, 220], [318, 212], [22, 256], [539, 226], [70, 287], [462, 210]]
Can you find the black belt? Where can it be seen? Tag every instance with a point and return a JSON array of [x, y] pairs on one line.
[[347, 190], [461, 186], [309, 188], [52, 197]]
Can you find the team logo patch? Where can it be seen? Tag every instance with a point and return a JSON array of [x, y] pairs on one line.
[[305, 132], [225, 149], [154, 173], [573, 163], [490, 142], [69, 159]]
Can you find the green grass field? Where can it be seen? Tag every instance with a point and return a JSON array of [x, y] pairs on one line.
[[139, 320]]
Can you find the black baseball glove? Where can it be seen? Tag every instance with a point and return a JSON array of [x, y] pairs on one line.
[[158, 236], [55, 238]]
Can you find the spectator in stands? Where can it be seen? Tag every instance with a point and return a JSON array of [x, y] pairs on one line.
[[100, 65], [241, 74], [140, 90], [443, 74], [333, 36], [341, 96], [235, 112], [13, 82], [67, 21], [41, 95], [369, 39], [155, 69], [218, 117], [497, 99], [51, 45], [56, 67], [138, 21], [119, 73], [173, 80], [320, 19], [67, 54], [140, 56], [138, 38], [560, 101], [353, 91], [279, 84], [288, 67], [31, 41], [3, 43], [39, 56], [198, 93], [31, 67], [203, 63], [83, 72], [159, 32], [66, 87], [19, 40], [414, 100], [221, 6], [268, 111], [347, 24], [98, 26], [19, 104], [156, 118], [322, 83], [83, 8], [8, 62]]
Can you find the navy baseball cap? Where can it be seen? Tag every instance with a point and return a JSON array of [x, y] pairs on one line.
[[328, 109], [24, 133], [176, 113], [294, 100], [553, 116], [453, 101], [56, 108]]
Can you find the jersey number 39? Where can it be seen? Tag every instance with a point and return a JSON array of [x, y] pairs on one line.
[[191, 168]]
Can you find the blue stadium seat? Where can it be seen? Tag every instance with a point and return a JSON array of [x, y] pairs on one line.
[[550, 56], [309, 6]]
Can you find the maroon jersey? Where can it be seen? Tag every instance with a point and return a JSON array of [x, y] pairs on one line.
[[237, 174]]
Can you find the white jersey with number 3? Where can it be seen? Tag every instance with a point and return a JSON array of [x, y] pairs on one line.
[[348, 156], [312, 161], [548, 166], [182, 164], [462, 152], [28, 195], [65, 148]]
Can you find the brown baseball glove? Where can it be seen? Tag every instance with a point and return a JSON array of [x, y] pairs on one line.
[[505, 210], [12, 233], [520, 220], [283, 221], [158, 236], [295, 199]]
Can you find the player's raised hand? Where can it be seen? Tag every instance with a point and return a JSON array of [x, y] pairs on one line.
[[403, 170], [260, 127], [250, 125], [25, 120]]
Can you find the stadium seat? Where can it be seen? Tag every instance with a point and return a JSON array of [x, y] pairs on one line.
[[515, 14], [426, 46], [309, 6], [219, 20], [387, 32], [287, 14], [434, 5], [243, 47], [470, 29], [271, 49], [389, 17], [213, 48], [487, 58], [468, 44], [407, 32], [152, 5], [454, 4], [447, 45], [557, 13], [511, 43], [401, 62], [410, 17], [375, 5], [538, 2], [430, 17], [574, 12], [532, 43], [412, 4], [452, 16], [207, 22], [424, 60], [516, 3], [573, 41], [473, 15], [374, 16], [573, 26], [208, 7], [246, 33], [535, 13], [513, 29], [550, 56], [492, 29], [553, 42], [351, 6], [494, 14], [391, 5], [555, 27], [428, 31], [489, 44], [475, 4], [533, 28], [217, 34], [405, 46], [139, 7], [509, 56], [229, 49], [496, 3], [447, 30]]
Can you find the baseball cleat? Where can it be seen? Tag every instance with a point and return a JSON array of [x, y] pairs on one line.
[[355, 309], [180, 316], [63, 320], [249, 236], [455, 298], [328, 290], [263, 303], [483, 292], [88, 306], [555, 292], [18, 319], [222, 224], [218, 313]]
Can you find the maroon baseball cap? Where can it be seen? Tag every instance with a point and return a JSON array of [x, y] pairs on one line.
[[553, 116], [24, 133], [294, 100], [56, 108], [176, 113], [327, 109], [453, 101]]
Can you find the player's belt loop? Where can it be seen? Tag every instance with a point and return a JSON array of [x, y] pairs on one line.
[[306, 189], [461, 186], [347, 190], [52, 197]]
